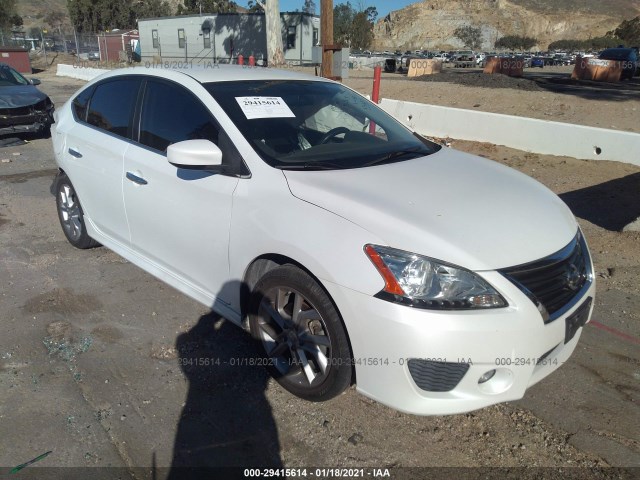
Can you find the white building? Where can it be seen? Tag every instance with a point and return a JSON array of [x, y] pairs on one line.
[[207, 38]]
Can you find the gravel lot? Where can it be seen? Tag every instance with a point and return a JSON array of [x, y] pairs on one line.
[[93, 349]]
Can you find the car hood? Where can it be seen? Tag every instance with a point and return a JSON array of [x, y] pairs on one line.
[[20, 96], [450, 206]]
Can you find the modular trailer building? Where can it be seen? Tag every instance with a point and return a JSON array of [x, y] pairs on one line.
[[220, 38]]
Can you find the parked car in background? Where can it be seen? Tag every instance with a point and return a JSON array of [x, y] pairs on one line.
[[463, 59], [628, 57], [23, 108], [296, 204], [537, 62]]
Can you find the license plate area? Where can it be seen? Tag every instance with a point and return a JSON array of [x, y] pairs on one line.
[[576, 320]]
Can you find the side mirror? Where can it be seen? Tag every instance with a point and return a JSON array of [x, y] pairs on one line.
[[196, 154], [35, 81]]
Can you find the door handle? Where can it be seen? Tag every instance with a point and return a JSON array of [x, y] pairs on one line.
[[74, 153], [136, 179]]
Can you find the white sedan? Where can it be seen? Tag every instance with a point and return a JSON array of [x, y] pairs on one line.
[[353, 249]]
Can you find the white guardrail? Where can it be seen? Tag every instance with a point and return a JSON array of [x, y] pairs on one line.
[[79, 71], [522, 133]]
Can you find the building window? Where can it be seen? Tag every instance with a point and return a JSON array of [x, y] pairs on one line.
[[206, 35], [154, 37], [291, 37], [181, 39], [315, 36]]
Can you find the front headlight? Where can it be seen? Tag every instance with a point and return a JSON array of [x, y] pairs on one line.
[[427, 283]]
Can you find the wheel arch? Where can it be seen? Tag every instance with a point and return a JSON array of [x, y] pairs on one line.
[[259, 266]]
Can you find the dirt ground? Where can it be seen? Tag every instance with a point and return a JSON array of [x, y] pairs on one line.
[[552, 97], [92, 347]]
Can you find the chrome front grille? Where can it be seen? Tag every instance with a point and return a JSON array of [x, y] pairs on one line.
[[554, 283]]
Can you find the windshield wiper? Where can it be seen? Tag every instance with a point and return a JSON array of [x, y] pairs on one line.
[[394, 155], [312, 166]]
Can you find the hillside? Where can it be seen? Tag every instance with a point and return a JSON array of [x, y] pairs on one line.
[[430, 24], [34, 11]]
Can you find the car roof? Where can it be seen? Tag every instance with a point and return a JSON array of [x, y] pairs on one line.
[[616, 53], [217, 73], [618, 50]]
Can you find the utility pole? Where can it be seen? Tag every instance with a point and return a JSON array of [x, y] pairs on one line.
[[326, 35]]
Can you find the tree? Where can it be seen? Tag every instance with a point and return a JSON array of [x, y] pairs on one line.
[[352, 27], [16, 21], [309, 6], [254, 7], [342, 20], [597, 43], [100, 15], [516, 42], [628, 31], [275, 51], [207, 6], [371, 13], [56, 20], [8, 15], [153, 8], [470, 36]]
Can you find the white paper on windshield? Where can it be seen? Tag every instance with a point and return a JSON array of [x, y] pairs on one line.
[[264, 107]]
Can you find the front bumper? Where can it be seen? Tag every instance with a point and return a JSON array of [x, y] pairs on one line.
[[385, 336], [25, 120]]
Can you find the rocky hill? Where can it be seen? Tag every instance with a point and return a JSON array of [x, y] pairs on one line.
[[430, 24]]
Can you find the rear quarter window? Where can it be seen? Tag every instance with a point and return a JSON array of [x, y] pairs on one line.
[[80, 104]]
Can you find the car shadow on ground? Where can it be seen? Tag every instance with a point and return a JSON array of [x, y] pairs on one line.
[[611, 205], [226, 420], [20, 138]]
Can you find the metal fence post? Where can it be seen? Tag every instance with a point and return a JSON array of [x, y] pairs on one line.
[[44, 49]]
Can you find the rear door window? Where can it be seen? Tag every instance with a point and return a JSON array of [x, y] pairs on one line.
[[112, 105]]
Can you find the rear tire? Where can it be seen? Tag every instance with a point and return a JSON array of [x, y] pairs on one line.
[[302, 334], [71, 215]]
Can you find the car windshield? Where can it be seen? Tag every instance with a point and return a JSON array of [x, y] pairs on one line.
[[297, 124], [9, 77]]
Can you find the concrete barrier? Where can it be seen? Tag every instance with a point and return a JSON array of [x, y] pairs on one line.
[[419, 67], [522, 133], [506, 66], [597, 70], [359, 63], [79, 71]]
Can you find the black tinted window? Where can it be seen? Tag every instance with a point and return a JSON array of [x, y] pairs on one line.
[[112, 104], [80, 103], [171, 114]]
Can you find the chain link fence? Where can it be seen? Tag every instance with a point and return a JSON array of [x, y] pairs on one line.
[[83, 47]]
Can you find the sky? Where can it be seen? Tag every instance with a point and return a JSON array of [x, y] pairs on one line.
[[383, 6]]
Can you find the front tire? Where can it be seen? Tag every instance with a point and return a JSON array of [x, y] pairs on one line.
[[302, 334], [71, 215]]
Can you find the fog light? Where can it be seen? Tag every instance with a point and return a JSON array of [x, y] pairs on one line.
[[487, 376]]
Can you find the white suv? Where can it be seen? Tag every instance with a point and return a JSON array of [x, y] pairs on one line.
[[356, 250]]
